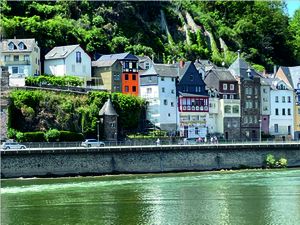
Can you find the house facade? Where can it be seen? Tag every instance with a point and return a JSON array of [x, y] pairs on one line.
[[158, 88], [68, 60], [21, 57], [249, 92], [129, 75], [291, 76], [193, 102], [282, 110], [265, 104], [107, 75], [226, 85]]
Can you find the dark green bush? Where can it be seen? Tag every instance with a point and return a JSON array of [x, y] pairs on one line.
[[70, 136], [37, 136], [52, 135]]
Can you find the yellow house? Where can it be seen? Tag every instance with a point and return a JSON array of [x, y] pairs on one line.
[[21, 56], [107, 74], [291, 75]]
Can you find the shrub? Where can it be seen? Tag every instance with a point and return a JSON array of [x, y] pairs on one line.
[[11, 133], [282, 163], [70, 136], [270, 160], [37, 136], [52, 135]]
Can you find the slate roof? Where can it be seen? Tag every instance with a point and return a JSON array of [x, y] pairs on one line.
[[119, 56], [204, 64], [223, 74], [108, 109], [292, 74], [29, 43], [104, 63], [239, 68], [274, 82], [163, 70], [183, 94], [60, 52]]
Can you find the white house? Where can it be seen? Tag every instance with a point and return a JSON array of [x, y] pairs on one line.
[[22, 57], [68, 60], [282, 113], [158, 88]]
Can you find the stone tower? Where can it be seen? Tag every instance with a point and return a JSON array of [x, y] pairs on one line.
[[109, 119]]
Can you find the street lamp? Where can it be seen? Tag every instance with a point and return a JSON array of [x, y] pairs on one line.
[[259, 130], [98, 130]]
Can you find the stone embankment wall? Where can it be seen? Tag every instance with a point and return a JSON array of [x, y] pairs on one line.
[[147, 159]]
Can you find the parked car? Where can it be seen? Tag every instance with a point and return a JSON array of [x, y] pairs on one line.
[[92, 143], [12, 145]]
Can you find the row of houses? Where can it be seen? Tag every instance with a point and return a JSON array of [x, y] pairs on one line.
[[194, 99]]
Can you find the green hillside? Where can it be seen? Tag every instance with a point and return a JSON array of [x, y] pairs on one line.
[[167, 31]]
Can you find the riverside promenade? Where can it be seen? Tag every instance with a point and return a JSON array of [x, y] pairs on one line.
[[73, 161]]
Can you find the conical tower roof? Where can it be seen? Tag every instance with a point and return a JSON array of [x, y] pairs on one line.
[[239, 67], [108, 109]]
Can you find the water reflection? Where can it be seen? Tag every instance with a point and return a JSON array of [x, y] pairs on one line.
[[259, 197]]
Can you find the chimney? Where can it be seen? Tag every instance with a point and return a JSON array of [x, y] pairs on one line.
[[274, 70], [181, 63]]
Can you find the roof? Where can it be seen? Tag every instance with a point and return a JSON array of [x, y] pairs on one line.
[[292, 74], [29, 43], [143, 58], [223, 74], [190, 95], [61, 52], [108, 109], [239, 68], [204, 64], [104, 63], [276, 81], [119, 56], [163, 70]]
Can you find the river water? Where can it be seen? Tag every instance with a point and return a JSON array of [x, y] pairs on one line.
[[266, 197]]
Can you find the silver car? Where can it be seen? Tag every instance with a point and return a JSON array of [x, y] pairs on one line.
[[12, 145], [92, 143]]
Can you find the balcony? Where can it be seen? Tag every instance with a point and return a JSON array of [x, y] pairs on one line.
[[20, 62]]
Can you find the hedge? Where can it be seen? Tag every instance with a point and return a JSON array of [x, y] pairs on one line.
[[40, 136]]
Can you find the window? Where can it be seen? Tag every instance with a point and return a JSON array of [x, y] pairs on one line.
[[227, 109], [289, 99], [173, 79], [235, 109], [126, 76], [130, 65], [289, 112], [16, 58], [78, 57], [26, 57], [11, 46], [250, 119], [147, 66], [6, 58], [133, 77], [289, 130], [224, 86], [276, 128], [15, 69], [224, 96], [256, 91], [21, 46], [264, 90], [276, 99], [231, 87], [283, 99], [149, 90], [196, 130], [165, 102], [134, 65], [276, 112], [172, 91], [172, 104], [162, 78], [133, 88], [249, 105], [117, 77], [169, 115], [231, 96], [191, 77], [126, 89], [149, 78], [163, 89], [126, 66], [283, 112]]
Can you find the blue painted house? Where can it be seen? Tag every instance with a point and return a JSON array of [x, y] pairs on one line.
[[193, 101]]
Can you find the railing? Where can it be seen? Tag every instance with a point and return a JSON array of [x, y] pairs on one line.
[[149, 142], [20, 62]]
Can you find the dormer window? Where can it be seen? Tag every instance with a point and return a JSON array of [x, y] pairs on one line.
[[78, 57], [191, 77], [21, 46], [11, 46]]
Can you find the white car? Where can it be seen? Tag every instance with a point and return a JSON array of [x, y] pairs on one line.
[[92, 143], [12, 145]]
